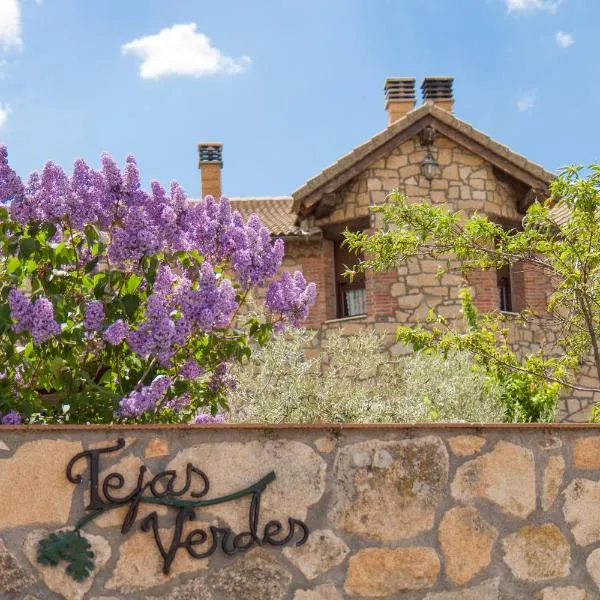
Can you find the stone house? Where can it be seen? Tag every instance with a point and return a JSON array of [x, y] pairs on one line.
[[428, 154]]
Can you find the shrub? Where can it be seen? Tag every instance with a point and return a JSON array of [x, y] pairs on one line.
[[351, 380], [117, 303]]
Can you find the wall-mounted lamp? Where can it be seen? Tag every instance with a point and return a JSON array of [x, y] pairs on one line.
[[430, 167]]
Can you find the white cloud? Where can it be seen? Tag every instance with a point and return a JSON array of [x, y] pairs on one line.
[[564, 40], [10, 24], [181, 50], [528, 6], [526, 101], [4, 110]]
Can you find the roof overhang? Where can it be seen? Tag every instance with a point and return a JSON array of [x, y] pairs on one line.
[[320, 194]]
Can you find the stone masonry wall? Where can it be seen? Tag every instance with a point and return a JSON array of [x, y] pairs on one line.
[[418, 513], [406, 296]]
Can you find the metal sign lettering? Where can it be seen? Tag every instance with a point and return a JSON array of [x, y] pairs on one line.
[[74, 549]]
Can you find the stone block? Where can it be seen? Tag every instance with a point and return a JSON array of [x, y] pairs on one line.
[[488, 590], [300, 477], [553, 477], [36, 466], [254, 576], [466, 445], [322, 551], [389, 491], [580, 509], [466, 541], [586, 450], [505, 476], [13, 577], [537, 553], [323, 592], [383, 572], [562, 593], [55, 578]]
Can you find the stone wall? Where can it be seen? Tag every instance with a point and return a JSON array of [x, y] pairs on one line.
[[421, 513]]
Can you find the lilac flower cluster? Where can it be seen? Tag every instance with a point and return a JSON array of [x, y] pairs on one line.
[[184, 299], [210, 305], [221, 379], [93, 316], [37, 318], [11, 418], [144, 399], [178, 403], [11, 187], [191, 370], [291, 298], [206, 419], [115, 333]]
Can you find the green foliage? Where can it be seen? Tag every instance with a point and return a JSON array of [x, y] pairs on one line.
[[529, 385], [71, 547], [567, 250], [352, 380]]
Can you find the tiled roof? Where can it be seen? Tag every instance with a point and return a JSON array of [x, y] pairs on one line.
[[363, 150], [274, 211], [560, 214]]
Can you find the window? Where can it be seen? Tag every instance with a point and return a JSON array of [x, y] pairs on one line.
[[504, 289], [350, 295]]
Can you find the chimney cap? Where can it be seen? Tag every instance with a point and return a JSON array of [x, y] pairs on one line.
[[399, 89], [437, 88], [210, 152]]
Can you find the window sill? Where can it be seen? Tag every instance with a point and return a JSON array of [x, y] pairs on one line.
[[509, 313], [344, 319]]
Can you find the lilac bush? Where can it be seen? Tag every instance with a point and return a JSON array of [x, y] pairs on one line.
[[118, 303]]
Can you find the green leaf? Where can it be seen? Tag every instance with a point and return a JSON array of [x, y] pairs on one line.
[[130, 304], [28, 246], [68, 546], [12, 264], [132, 283], [89, 267]]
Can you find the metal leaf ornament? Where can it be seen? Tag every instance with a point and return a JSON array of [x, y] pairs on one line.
[[71, 547]]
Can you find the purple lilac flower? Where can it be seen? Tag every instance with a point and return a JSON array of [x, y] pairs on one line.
[[165, 278], [11, 186], [191, 369], [131, 176], [84, 202], [291, 297], [210, 306], [179, 402], [20, 310], [258, 259], [115, 333], [37, 318], [11, 418], [207, 419], [221, 379], [156, 334], [93, 316], [43, 324], [144, 399]]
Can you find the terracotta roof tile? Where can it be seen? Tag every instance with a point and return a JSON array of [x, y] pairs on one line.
[[274, 211]]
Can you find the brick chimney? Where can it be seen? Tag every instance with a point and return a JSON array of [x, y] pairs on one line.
[[438, 90], [210, 155], [399, 97]]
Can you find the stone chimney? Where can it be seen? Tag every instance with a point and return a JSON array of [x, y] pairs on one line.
[[399, 97], [210, 155], [438, 90]]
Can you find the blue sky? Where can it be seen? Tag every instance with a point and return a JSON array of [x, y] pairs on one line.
[[287, 86]]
